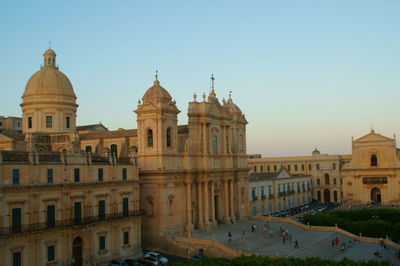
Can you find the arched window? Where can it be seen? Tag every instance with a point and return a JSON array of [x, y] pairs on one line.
[[326, 179], [214, 144], [149, 138], [168, 137], [114, 149], [48, 61], [88, 149], [374, 160]]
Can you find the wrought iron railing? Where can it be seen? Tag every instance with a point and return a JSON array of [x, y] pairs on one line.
[[28, 228]]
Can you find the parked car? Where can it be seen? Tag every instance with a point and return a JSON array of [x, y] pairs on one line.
[[197, 257], [117, 262], [158, 256], [148, 261]]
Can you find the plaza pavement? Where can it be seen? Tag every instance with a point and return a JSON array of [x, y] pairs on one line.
[[311, 243]]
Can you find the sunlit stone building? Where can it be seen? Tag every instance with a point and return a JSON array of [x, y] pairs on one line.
[[87, 194]]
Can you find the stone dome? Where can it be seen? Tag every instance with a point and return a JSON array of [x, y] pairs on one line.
[[49, 81], [316, 152], [235, 110], [157, 94]]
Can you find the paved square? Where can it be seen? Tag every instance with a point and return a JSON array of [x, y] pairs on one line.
[[311, 243]]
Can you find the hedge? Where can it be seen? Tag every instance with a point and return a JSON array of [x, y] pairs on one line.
[[261, 261], [368, 222]]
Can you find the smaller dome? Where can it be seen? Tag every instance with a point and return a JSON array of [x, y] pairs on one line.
[[157, 94], [49, 52], [235, 110], [316, 152]]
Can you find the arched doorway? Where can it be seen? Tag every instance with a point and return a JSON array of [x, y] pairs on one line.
[[77, 251], [319, 196], [327, 195], [376, 195]]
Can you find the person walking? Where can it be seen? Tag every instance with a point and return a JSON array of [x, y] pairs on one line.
[[265, 227], [271, 234], [242, 227], [296, 244], [337, 241], [229, 236], [333, 243]]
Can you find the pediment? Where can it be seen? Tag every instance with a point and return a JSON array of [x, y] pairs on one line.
[[373, 137], [283, 173], [215, 109]]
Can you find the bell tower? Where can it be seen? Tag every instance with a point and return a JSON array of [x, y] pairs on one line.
[[157, 124]]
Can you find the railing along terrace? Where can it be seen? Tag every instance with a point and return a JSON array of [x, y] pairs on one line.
[[28, 228]]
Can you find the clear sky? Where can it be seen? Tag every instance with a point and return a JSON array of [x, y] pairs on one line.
[[305, 73]]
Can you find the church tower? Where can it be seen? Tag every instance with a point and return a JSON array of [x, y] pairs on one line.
[[157, 124]]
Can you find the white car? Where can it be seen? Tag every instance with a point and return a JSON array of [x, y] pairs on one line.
[[158, 256]]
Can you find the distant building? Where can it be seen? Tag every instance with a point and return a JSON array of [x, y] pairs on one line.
[[277, 191], [370, 173]]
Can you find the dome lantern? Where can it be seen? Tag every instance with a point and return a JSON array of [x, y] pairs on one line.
[[49, 57]]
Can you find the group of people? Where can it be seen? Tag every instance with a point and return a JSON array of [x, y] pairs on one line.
[[335, 242]]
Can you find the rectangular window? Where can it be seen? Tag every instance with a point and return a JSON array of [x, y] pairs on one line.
[[102, 209], [341, 181], [255, 168], [309, 167], [126, 238], [302, 167], [17, 259], [214, 145], [100, 174], [67, 122], [51, 216], [274, 168], [77, 212], [124, 174], [268, 168], [125, 206], [49, 121], [76, 174], [49, 176], [318, 182], [50, 253], [15, 176], [270, 190], [102, 242], [16, 219], [334, 181], [261, 168], [295, 167], [288, 167], [317, 166], [334, 166], [29, 122]]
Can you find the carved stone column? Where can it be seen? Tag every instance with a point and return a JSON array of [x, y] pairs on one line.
[[226, 202], [212, 204], [206, 200], [199, 206], [231, 203], [189, 225]]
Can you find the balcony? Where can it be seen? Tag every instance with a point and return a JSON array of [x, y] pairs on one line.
[[270, 196], [282, 193], [290, 192], [263, 196], [254, 198], [29, 228]]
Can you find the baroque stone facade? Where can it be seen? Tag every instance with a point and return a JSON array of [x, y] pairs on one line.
[[87, 194], [369, 174]]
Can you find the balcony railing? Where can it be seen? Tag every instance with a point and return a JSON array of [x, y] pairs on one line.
[[282, 193], [27, 228], [254, 198], [290, 192], [270, 196], [263, 196]]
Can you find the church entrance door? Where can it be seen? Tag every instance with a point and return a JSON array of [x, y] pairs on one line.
[[77, 251], [216, 207], [327, 195], [376, 195]]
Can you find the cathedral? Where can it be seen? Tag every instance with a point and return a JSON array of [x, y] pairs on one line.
[[85, 194]]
